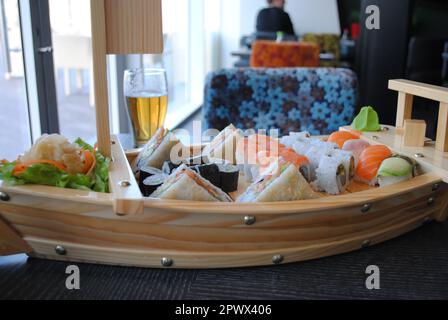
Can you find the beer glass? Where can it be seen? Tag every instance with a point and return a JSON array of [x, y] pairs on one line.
[[146, 95]]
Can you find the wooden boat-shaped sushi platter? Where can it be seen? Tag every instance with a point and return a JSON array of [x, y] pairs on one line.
[[124, 228]]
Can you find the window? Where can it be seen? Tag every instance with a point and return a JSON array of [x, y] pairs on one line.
[[190, 49], [72, 54], [192, 36], [15, 137]]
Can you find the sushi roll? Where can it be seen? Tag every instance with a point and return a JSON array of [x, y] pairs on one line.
[[301, 147], [369, 163], [331, 176], [315, 154], [152, 183], [255, 154], [356, 147], [294, 137], [300, 135], [229, 176], [394, 170], [195, 161], [301, 162], [209, 172], [348, 160], [326, 146]]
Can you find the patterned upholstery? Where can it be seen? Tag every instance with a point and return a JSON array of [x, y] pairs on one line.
[[328, 43], [318, 100], [271, 54]]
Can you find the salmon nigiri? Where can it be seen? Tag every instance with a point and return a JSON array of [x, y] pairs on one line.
[[342, 137], [369, 163], [301, 162], [356, 147]]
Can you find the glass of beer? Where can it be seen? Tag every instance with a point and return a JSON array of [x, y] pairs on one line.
[[146, 96]]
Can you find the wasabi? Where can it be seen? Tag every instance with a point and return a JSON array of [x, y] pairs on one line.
[[367, 120]]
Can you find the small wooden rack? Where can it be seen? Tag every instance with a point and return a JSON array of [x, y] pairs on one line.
[[406, 92]]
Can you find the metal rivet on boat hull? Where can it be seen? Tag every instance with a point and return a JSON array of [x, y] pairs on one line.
[[60, 250], [431, 201], [419, 155], [427, 220], [277, 259], [366, 208], [112, 142], [167, 262], [125, 184], [4, 196], [436, 187], [385, 129], [366, 244], [249, 220]]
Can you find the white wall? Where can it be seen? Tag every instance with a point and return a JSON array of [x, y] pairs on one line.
[[317, 16], [230, 30], [238, 18], [249, 10]]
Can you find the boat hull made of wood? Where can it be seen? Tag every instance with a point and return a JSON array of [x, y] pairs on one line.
[[77, 226]]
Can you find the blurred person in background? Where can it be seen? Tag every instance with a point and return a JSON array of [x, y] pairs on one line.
[[274, 18]]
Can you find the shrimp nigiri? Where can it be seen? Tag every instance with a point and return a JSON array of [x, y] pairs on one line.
[[369, 163]]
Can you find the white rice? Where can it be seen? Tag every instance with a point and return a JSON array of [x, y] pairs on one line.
[[326, 176], [347, 159], [387, 181]]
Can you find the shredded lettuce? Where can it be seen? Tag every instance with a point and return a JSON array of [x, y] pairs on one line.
[[46, 174]]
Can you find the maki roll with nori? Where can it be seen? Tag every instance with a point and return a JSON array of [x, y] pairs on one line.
[[349, 163], [209, 172], [195, 161], [229, 175], [152, 183], [331, 175]]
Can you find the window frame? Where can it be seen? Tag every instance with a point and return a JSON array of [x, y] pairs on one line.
[[39, 67]]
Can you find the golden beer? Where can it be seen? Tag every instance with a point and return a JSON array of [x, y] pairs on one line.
[[147, 115]]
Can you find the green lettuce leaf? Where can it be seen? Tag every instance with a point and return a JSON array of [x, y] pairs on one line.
[[46, 174], [101, 173]]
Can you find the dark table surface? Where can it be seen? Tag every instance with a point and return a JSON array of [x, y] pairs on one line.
[[414, 266]]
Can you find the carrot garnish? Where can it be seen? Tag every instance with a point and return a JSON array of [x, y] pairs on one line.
[[21, 167], [88, 161]]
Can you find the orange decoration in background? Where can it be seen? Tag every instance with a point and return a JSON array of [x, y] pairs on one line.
[[271, 54]]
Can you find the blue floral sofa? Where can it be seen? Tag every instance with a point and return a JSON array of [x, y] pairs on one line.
[[318, 100]]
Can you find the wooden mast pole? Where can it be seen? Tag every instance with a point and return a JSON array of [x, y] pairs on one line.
[[99, 52], [121, 27]]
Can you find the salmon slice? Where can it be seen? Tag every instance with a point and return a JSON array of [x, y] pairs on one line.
[[342, 137], [370, 161]]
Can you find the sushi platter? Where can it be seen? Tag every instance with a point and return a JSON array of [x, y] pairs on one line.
[[242, 200], [254, 225]]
